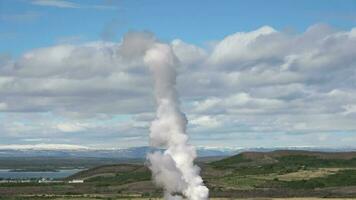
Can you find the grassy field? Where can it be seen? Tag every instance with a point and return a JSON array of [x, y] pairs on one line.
[[55, 163], [259, 175], [283, 171]]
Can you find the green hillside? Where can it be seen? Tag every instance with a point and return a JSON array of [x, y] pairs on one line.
[[285, 169], [251, 171], [249, 174]]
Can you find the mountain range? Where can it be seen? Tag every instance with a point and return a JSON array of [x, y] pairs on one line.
[[135, 152]]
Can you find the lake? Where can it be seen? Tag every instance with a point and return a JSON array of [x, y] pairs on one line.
[[8, 174]]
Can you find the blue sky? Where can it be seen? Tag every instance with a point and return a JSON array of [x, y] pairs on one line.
[[252, 74], [25, 25]]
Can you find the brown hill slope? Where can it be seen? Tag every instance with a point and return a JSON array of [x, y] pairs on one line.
[[280, 153]]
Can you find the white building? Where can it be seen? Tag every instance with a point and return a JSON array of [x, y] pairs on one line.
[[76, 181]]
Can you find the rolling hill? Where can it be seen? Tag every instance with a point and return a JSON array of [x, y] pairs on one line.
[[278, 173], [281, 173]]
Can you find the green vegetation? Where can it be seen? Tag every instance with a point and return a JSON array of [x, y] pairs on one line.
[[122, 178], [19, 184], [282, 165], [313, 161], [247, 172], [230, 162], [271, 174], [54, 163], [342, 178]]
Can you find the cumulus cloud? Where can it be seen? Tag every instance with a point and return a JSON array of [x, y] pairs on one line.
[[56, 3], [239, 103], [244, 47], [70, 5], [71, 127], [260, 81], [3, 106], [188, 54], [45, 147]]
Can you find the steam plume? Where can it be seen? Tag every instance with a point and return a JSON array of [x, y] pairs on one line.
[[173, 169]]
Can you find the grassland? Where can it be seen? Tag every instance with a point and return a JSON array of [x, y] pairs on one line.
[[55, 163], [282, 174]]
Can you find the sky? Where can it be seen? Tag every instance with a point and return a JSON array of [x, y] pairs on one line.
[[251, 74]]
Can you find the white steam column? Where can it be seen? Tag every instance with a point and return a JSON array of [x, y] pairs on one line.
[[174, 169]]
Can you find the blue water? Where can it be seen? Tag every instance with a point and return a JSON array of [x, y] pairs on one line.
[[8, 174]]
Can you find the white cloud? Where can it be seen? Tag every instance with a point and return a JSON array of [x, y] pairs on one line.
[[3, 106], [349, 109], [259, 81], [205, 121], [56, 3], [71, 127], [188, 54], [352, 33], [44, 147], [241, 46], [239, 103], [70, 4]]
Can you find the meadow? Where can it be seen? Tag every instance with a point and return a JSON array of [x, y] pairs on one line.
[[263, 175]]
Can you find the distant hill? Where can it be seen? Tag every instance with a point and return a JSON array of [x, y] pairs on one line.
[[85, 158], [251, 174], [296, 157], [129, 153], [107, 170], [133, 152], [280, 153], [280, 173]]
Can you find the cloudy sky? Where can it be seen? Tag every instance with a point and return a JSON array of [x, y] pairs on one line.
[[250, 74]]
